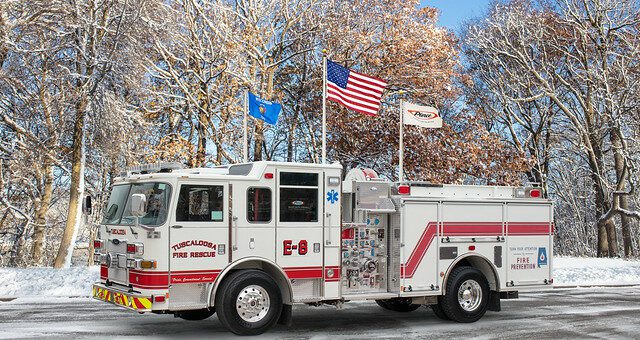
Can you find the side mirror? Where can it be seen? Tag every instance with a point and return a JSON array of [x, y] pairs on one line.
[[138, 205], [86, 205]]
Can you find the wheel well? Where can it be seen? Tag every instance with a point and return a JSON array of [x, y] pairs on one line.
[[480, 263], [264, 265]]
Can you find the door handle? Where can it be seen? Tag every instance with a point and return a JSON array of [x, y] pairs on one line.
[[328, 241], [176, 226], [235, 232]]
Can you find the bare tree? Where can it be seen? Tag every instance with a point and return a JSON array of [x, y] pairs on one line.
[[566, 52]]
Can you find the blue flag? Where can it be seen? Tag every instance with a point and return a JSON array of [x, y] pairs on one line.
[[264, 109]]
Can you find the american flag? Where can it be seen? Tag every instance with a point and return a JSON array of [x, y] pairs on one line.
[[354, 90]]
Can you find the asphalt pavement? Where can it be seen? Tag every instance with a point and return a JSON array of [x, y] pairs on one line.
[[607, 312]]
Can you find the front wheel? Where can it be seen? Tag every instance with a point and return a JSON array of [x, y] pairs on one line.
[[466, 295], [196, 315], [248, 302]]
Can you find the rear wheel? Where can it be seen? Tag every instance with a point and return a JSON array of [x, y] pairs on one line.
[[196, 315], [398, 305], [248, 302], [466, 296]]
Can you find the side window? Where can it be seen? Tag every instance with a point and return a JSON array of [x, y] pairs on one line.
[[298, 197], [200, 203], [259, 205]]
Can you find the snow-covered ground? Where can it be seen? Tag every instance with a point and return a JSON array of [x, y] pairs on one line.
[[576, 271], [76, 281]]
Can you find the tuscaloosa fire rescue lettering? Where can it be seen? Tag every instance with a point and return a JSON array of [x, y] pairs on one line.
[[193, 254]]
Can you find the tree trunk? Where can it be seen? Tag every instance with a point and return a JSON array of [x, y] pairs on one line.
[[41, 216], [63, 258], [291, 138], [603, 244], [593, 142], [18, 246], [627, 226], [257, 143], [292, 131], [202, 143], [618, 161], [600, 207], [612, 238]]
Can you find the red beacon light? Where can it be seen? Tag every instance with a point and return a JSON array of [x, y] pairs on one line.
[[404, 189], [135, 248], [268, 175], [131, 248], [535, 193], [97, 244]]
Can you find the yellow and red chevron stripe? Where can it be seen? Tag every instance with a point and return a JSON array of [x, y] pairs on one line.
[[121, 299]]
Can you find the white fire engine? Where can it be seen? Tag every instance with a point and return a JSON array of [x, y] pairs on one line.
[[249, 240]]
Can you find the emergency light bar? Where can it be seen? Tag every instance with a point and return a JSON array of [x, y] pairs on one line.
[[154, 167], [527, 192]]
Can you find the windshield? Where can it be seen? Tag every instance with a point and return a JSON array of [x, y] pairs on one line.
[[118, 209]]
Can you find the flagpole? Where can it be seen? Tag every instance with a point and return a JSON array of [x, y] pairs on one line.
[[324, 106], [245, 152], [401, 147]]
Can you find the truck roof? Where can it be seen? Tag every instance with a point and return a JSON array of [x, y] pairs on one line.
[[240, 171]]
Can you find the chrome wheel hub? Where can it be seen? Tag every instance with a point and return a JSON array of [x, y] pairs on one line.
[[252, 303], [470, 295]]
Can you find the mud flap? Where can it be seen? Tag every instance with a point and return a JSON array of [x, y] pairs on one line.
[[285, 315], [494, 301]]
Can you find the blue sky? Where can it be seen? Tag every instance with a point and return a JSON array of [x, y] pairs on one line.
[[453, 13]]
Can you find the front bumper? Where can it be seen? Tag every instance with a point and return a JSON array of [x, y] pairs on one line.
[[136, 302]]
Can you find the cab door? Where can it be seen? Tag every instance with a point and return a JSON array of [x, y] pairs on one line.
[[252, 225], [300, 222], [198, 240]]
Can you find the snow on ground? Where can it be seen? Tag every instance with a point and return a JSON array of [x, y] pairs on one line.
[[76, 281], [576, 271]]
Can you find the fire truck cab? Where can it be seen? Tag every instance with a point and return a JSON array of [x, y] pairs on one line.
[[247, 241]]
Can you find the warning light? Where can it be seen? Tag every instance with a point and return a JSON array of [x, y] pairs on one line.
[[404, 189], [268, 175], [472, 248], [135, 248], [535, 193], [131, 248], [97, 244]]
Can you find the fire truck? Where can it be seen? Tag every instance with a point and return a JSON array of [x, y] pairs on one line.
[[247, 241]]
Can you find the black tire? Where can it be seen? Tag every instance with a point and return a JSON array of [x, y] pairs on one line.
[[402, 305], [229, 294], [383, 304], [449, 301], [195, 315], [437, 310]]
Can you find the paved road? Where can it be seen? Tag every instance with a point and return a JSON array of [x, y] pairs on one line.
[[561, 313]]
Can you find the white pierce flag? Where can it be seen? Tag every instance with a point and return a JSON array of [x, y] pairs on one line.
[[412, 114], [422, 116]]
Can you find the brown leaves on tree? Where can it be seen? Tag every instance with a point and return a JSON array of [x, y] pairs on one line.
[[402, 44]]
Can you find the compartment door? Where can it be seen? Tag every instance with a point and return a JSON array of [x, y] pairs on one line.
[[529, 244], [419, 235]]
